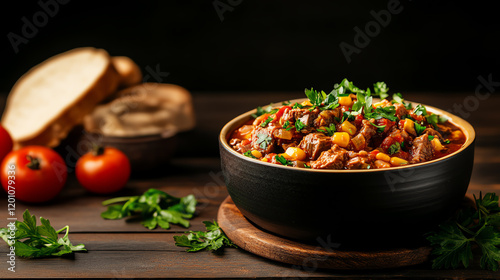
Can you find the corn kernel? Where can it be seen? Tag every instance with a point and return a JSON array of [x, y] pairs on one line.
[[348, 127], [410, 127], [384, 157], [436, 144], [306, 103], [382, 164], [457, 134], [256, 153], [341, 139], [264, 160], [378, 104], [395, 161], [345, 101], [294, 153]]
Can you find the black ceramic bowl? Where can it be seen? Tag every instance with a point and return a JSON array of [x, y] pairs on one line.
[[353, 207]]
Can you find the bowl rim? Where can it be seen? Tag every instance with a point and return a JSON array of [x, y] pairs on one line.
[[464, 126]]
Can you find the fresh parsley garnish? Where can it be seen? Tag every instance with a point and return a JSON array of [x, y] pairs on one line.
[[383, 112], [261, 111], [155, 207], [380, 89], [431, 137], [328, 130], [213, 239], [285, 103], [432, 119], [297, 106], [419, 128], [394, 148], [306, 166], [283, 160], [397, 98], [299, 125], [315, 97], [263, 140], [380, 128], [287, 126], [420, 110], [266, 122], [442, 119], [249, 154], [32, 241], [447, 141], [452, 241]]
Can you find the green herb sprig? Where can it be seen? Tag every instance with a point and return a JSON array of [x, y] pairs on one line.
[[213, 239], [32, 241], [452, 242], [155, 207], [283, 160]]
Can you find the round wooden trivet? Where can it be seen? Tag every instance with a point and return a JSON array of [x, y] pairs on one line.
[[256, 241]]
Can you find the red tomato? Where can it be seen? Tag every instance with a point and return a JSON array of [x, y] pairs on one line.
[[388, 141], [34, 173], [5, 143], [280, 112], [359, 120], [103, 171]]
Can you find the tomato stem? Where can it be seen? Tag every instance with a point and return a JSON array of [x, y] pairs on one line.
[[97, 150], [34, 163]]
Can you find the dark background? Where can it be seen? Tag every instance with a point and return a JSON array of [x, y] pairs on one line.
[[431, 46]]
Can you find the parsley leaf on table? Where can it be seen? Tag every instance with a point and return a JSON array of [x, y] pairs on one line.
[[155, 207], [213, 239], [32, 241], [452, 242]]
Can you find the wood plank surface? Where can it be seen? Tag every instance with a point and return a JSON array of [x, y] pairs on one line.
[[124, 250]]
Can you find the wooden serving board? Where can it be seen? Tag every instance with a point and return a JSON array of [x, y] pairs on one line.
[[252, 239]]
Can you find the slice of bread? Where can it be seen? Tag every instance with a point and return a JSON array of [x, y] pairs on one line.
[[129, 71], [145, 109], [54, 96]]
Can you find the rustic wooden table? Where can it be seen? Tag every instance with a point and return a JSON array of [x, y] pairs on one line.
[[124, 250]]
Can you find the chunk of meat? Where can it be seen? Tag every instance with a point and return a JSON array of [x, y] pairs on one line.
[[359, 160], [433, 132], [262, 139], [333, 158], [327, 117], [358, 142], [367, 130], [444, 130], [422, 149], [315, 143], [305, 116], [400, 110]]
